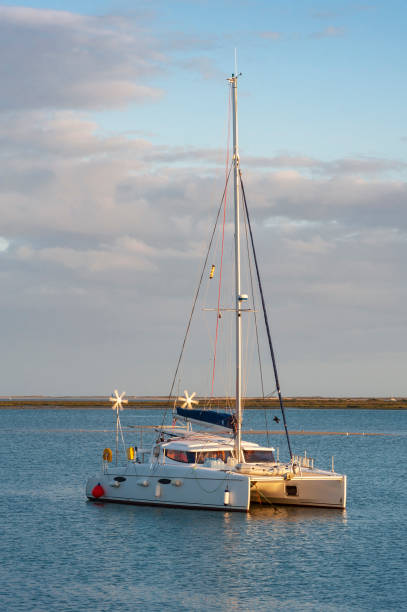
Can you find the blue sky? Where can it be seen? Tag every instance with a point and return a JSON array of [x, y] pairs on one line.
[[113, 123], [327, 77], [318, 75]]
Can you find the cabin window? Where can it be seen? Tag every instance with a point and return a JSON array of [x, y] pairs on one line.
[[291, 490], [259, 456], [181, 456], [223, 455]]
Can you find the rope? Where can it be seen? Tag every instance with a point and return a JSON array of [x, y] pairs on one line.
[[121, 433], [262, 495], [221, 482]]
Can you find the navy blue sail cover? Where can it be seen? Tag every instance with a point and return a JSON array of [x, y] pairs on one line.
[[209, 416]]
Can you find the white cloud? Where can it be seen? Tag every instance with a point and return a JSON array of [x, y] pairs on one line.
[[288, 225], [4, 244], [110, 233], [106, 232], [60, 177], [329, 32], [270, 35], [205, 67], [89, 260], [315, 244], [56, 59], [125, 253]]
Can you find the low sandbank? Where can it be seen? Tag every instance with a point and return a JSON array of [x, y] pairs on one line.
[[349, 403]]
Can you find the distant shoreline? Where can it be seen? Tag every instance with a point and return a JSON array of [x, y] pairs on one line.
[[348, 403]]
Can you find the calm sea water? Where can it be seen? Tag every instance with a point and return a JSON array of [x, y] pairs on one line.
[[60, 552]]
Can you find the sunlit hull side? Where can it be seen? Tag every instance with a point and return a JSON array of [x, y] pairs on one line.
[[313, 488]]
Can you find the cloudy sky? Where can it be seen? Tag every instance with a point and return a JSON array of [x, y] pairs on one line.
[[113, 131]]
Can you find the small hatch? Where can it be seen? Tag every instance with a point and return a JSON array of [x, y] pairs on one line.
[[119, 478], [164, 481], [291, 490]]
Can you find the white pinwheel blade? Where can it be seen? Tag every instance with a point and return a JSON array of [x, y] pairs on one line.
[[188, 400], [118, 400]]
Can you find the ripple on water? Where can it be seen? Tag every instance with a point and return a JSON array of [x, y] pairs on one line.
[[60, 552]]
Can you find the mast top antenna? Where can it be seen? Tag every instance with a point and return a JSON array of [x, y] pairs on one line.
[[234, 77]]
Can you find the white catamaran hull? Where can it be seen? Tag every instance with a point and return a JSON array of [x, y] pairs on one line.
[[164, 485], [199, 487], [312, 489]]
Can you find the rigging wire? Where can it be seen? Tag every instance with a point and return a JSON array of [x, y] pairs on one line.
[[196, 296], [219, 293], [229, 366], [254, 304], [273, 359], [255, 322], [223, 242]]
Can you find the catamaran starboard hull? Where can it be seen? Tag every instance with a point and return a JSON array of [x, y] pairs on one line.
[[303, 490]]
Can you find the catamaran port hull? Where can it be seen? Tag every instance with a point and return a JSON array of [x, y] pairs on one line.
[[161, 485], [306, 490]]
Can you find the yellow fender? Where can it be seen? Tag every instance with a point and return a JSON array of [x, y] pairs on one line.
[[130, 453], [107, 455]]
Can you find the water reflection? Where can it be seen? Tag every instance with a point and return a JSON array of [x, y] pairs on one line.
[[294, 514], [257, 513]]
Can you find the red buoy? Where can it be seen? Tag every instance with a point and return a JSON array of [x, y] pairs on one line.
[[98, 491]]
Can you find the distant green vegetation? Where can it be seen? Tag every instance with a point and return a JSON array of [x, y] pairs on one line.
[[358, 403]]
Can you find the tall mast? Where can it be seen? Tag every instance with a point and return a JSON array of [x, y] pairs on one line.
[[238, 409]]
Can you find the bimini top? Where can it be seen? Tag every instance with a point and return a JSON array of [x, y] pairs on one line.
[[195, 441]]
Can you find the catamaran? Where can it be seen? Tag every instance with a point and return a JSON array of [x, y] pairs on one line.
[[213, 467]]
